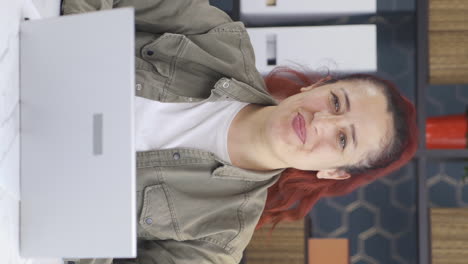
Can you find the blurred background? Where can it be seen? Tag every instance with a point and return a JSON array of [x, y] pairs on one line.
[[415, 215], [379, 223]]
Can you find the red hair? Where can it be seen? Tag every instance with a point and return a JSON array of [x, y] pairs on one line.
[[296, 191]]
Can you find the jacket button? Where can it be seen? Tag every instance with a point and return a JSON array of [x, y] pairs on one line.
[[176, 156], [149, 53], [226, 84], [138, 87], [148, 221]]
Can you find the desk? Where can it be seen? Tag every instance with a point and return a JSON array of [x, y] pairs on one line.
[[10, 17]]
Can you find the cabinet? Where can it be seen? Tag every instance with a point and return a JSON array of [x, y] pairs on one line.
[[449, 235], [424, 155]]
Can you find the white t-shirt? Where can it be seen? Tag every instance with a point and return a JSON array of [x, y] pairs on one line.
[[200, 125]]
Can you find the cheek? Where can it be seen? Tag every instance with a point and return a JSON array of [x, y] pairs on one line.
[[321, 157], [325, 150], [278, 127], [316, 104]]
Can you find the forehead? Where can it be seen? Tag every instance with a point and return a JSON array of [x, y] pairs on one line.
[[368, 113], [360, 89]]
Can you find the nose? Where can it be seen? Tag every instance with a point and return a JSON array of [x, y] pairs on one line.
[[324, 121], [326, 117]]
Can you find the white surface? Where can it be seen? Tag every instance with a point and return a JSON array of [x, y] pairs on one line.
[[311, 7], [10, 17], [69, 191], [47, 8], [351, 48], [257, 11]]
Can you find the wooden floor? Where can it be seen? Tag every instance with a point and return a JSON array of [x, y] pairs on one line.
[[286, 244], [449, 228]]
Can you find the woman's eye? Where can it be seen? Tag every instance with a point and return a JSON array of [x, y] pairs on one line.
[[342, 140], [336, 103]]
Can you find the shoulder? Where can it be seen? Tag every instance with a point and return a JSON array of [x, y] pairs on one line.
[[235, 27], [234, 39]]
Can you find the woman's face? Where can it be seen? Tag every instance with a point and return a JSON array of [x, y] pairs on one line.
[[330, 126]]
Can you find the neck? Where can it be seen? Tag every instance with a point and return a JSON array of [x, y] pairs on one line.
[[248, 145]]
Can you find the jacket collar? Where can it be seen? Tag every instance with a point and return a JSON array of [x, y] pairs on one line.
[[188, 156], [230, 172], [243, 92]]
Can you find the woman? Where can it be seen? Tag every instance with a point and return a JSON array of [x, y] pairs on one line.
[[212, 142]]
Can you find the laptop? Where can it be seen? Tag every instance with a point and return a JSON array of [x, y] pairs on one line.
[[77, 154]]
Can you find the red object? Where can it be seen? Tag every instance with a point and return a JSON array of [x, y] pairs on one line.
[[447, 132]]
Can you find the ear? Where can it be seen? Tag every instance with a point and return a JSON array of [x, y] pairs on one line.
[[308, 88], [333, 174]]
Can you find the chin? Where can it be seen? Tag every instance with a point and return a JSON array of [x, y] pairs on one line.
[[282, 136]]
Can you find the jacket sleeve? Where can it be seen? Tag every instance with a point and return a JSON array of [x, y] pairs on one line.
[[75, 7], [171, 252], [159, 16], [187, 252]]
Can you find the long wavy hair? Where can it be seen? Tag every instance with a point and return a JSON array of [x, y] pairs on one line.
[[296, 191]]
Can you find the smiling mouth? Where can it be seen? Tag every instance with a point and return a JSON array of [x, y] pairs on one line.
[[298, 125]]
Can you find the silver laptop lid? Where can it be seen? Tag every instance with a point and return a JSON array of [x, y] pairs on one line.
[[77, 136]]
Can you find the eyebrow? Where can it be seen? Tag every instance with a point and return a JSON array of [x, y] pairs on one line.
[[348, 105], [353, 135], [348, 108]]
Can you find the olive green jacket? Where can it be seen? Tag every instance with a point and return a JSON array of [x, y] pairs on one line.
[[192, 206]]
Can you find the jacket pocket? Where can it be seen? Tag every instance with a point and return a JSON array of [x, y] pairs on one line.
[[163, 53], [157, 216]]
